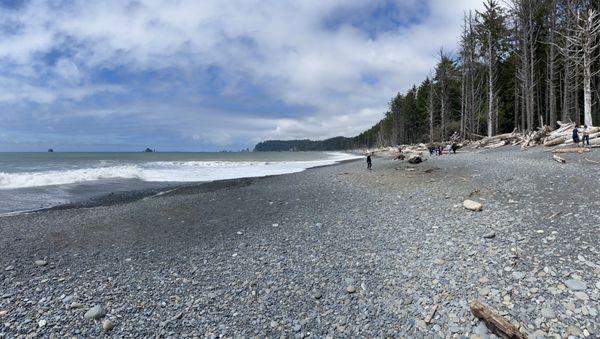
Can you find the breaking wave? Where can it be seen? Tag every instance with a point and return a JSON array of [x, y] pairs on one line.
[[162, 171]]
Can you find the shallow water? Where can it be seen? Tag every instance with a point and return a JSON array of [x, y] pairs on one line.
[[31, 181]]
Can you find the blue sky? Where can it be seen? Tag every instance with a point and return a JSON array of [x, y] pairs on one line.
[[208, 75]]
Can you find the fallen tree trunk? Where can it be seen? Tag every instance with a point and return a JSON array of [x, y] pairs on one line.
[[496, 145], [500, 137], [554, 142], [477, 136], [559, 159], [571, 150], [492, 140], [495, 322]]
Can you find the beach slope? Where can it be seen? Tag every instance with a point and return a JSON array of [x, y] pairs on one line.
[[337, 250]]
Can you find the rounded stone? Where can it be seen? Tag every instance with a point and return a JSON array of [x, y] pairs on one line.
[[95, 312], [548, 313], [107, 325]]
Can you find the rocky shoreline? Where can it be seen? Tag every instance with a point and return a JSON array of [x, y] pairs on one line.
[[336, 251]]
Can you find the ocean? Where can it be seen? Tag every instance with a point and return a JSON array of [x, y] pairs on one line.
[[32, 181]]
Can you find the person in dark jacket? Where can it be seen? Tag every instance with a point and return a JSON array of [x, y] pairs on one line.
[[369, 163], [454, 147], [576, 137]]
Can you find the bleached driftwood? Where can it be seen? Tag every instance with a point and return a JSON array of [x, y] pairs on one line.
[[431, 313], [554, 142], [559, 159], [495, 322], [572, 150]]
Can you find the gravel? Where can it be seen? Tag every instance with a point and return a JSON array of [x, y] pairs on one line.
[[278, 256]]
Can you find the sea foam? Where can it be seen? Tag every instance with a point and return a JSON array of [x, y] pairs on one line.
[[163, 171]]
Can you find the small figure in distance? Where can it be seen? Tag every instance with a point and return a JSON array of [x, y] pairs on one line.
[[440, 150], [369, 163], [576, 137], [431, 149], [454, 147], [586, 136]]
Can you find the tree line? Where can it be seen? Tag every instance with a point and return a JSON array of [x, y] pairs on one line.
[[332, 144], [519, 65]]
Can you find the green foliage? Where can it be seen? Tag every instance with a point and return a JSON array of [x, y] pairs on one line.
[[493, 37], [337, 143]]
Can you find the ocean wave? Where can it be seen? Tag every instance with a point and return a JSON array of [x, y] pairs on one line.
[[62, 177], [163, 171]]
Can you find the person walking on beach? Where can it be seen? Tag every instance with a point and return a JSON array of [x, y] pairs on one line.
[[369, 163], [576, 137], [586, 136], [454, 147]]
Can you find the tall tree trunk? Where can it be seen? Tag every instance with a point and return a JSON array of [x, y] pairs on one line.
[[567, 108], [442, 117], [462, 102], [587, 90], [430, 109], [516, 89], [551, 69], [531, 90], [490, 113]]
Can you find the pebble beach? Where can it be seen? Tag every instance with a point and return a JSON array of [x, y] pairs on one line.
[[335, 251]]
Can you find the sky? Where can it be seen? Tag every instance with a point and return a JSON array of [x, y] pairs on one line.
[[209, 75]]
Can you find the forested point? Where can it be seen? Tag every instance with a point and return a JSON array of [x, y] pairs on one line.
[[520, 65], [333, 144]]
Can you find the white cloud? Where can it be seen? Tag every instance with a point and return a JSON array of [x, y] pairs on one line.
[[283, 47]]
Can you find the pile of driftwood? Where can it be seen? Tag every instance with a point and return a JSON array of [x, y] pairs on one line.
[[564, 136], [414, 154], [525, 140], [543, 136]]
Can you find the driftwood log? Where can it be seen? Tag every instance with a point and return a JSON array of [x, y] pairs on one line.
[[495, 322], [572, 150], [430, 314], [554, 142], [559, 159], [541, 136]]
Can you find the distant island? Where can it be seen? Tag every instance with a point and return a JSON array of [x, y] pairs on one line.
[[149, 150]]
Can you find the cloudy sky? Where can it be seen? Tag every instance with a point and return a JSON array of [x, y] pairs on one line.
[[209, 74]]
